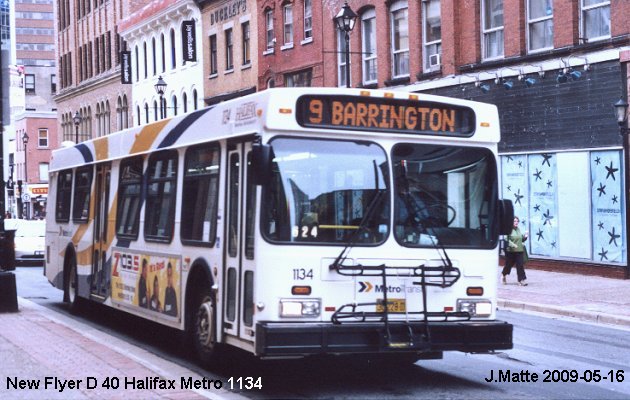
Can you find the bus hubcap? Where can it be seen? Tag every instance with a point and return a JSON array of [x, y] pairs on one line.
[[204, 324]]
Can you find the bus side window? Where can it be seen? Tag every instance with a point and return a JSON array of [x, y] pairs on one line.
[[200, 195], [129, 199], [64, 196]]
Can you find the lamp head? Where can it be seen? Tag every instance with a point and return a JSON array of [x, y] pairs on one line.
[[76, 118], [346, 18], [160, 86], [621, 111], [529, 82]]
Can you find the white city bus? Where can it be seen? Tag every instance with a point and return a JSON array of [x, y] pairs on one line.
[[292, 222]]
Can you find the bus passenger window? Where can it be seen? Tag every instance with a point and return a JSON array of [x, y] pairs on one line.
[[161, 190], [200, 195], [64, 195], [129, 200], [82, 187]]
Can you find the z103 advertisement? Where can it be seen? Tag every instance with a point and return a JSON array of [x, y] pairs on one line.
[[147, 281]]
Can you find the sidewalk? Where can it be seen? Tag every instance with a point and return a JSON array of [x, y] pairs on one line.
[[590, 298], [48, 355]]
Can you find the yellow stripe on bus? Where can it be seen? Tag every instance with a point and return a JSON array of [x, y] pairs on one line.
[[146, 137], [101, 148]]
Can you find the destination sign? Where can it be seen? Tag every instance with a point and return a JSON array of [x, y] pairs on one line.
[[385, 115]]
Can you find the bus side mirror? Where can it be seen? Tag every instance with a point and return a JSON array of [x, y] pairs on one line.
[[506, 217], [261, 163]]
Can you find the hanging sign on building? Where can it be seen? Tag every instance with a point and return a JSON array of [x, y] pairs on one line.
[[125, 70], [189, 41]]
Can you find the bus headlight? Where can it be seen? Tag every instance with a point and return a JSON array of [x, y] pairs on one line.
[[475, 307], [292, 308]]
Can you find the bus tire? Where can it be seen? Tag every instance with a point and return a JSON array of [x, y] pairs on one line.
[[202, 329], [70, 292]]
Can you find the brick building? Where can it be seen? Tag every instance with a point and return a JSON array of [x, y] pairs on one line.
[[229, 41], [88, 64], [35, 58]]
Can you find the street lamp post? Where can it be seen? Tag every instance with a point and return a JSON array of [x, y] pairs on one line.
[[77, 120], [160, 88], [621, 113], [345, 20], [25, 203]]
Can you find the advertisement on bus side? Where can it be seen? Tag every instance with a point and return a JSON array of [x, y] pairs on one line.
[[148, 281]]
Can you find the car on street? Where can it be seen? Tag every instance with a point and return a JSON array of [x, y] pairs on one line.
[[30, 240]]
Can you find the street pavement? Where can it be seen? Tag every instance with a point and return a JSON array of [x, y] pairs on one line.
[[39, 346], [590, 298]]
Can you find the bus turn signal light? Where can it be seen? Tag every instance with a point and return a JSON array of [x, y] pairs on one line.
[[474, 291], [301, 290]]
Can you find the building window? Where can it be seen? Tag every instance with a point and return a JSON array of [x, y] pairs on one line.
[[368, 31], [432, 38], [138, 114], [146, 113], [287, 13], [137, 64], [42, 138], [153, 55], [163, 52], [400, 39], [229, 50], [246, 43], [173, 57], [341, 58], [213, 54], [144, 53], [595, 19], [174, 101], [492, 29], [155, 110], [194, 99], [540, 24], [271, 40], [43, 172], [29, 83], [185, 102], [298, 79], [308, 19]]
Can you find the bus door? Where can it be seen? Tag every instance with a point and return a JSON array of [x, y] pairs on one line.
[[100, 275], [238, 304]]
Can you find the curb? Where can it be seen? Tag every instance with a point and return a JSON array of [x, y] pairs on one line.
[[591, 316]]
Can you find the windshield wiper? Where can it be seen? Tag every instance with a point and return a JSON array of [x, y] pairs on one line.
[[376, 200]]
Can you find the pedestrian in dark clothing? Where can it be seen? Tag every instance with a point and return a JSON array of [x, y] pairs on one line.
[[514, 254]]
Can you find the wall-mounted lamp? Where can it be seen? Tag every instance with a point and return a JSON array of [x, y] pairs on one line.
[[529, 82], [621, 113], [485, 88]]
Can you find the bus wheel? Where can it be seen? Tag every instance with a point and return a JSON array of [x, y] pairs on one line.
[[204, 329], [71, 295]]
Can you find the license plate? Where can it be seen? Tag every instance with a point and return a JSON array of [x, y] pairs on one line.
[[393, 306]]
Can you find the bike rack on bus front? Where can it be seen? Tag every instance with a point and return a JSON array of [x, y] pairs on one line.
[[440, 276]]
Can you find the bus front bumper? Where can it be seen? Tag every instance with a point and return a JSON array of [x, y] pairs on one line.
[[276, 339]]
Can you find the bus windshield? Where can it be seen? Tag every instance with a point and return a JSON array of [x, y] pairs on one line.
[[445, 195], [327, 191]]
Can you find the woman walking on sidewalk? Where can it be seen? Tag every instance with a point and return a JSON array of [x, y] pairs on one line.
[[514, 254]]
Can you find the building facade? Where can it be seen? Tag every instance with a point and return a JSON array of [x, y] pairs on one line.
[[229, 32], [36, 126], [291, 45], [163, 41], [88, 47]]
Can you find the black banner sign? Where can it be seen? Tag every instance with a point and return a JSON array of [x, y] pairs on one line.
[[189, 45], [125, 67]]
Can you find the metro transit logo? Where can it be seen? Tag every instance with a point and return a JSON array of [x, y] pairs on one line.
[[366, 287]]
